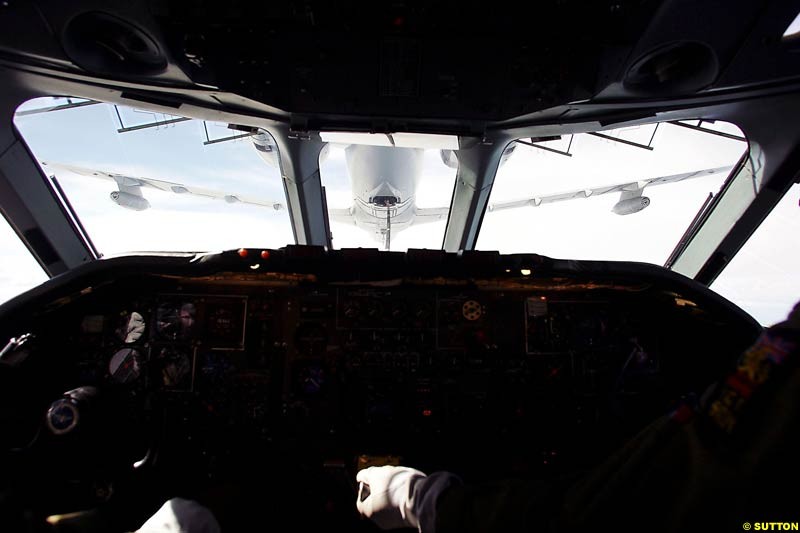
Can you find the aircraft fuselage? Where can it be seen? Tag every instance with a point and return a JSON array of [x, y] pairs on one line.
[[384, 181]]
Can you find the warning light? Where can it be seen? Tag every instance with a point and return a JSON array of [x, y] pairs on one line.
[[427, 412], [242, 252], [264, 254]]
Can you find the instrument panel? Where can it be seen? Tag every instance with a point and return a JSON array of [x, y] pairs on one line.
[[374, 367], [227, 380]]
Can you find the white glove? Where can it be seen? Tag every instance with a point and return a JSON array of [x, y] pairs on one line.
[[181, 516], [386, 495]]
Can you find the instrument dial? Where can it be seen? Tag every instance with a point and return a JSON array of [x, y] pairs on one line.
[[176, 368], [472, 310], [176, 321], [311, 339], [125, 365], [62, 417]]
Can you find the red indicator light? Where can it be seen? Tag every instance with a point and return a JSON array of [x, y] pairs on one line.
[[242, 252], [427, 412], [264, 254]]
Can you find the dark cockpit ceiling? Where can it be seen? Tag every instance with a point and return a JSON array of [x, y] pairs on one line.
[[450, 66]]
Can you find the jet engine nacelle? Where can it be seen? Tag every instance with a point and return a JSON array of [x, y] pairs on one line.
[[631, 205], [129, 201]]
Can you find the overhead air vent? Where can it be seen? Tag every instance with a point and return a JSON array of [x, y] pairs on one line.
[[108, 45], [673, 70]]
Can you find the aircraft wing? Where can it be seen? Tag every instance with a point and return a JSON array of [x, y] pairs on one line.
[[133, 185], [344, 216], [627, 190], [424, 215]]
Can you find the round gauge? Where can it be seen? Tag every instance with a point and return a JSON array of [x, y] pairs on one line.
[[351, 309], [62, 417], [312, 379], [422, 311], [175, 321], [131, 327], [124, 365], [311, 339], [176, 368], [221, 323], [471, 310], [374, 309], [399, 310]]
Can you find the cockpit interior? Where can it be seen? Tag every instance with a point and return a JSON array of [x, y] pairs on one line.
[[255, 352]]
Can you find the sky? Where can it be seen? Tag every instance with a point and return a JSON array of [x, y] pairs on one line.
[[759, 279]]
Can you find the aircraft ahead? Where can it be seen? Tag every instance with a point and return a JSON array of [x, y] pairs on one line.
[[384, 182]]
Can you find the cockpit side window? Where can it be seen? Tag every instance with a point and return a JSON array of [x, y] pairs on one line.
[[19, 271], [764, 277]]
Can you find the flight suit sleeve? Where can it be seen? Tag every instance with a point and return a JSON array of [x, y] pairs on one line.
[[712, 467]]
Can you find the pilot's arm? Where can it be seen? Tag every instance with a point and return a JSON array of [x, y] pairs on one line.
[[398, 496], [719, 467]]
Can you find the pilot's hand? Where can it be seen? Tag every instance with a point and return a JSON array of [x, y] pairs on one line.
[[181, 516], [386, 495]]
